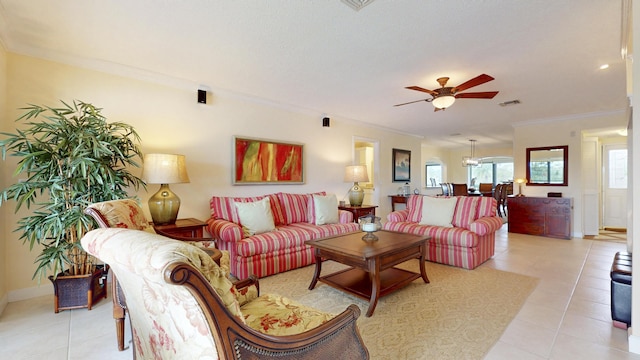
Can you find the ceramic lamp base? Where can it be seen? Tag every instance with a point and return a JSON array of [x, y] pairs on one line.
[[356, 195], [164, 206]]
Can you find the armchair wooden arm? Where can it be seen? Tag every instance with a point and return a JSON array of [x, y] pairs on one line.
[[338, 338]]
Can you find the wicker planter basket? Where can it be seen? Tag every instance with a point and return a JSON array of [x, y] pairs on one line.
[[79, 291]]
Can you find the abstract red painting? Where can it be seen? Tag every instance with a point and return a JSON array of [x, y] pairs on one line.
[[259, 161]]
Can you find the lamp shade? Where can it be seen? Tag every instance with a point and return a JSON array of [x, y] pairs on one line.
[[356, 173], [443, 102], [164, 169]]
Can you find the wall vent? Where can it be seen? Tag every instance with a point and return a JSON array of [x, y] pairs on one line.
[[511, 102]]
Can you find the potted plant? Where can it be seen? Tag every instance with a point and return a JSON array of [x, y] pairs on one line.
[[70, 157]]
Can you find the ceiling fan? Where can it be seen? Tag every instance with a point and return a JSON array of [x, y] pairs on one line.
[[445, 96]]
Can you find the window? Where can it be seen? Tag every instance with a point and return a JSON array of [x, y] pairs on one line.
[[618, 169], [492, 170], [433, 174]]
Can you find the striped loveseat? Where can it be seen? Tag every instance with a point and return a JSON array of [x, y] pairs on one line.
[[283, 247], [466, 238]]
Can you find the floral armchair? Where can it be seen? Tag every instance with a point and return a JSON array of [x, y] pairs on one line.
[[183, 305], [126, 213]]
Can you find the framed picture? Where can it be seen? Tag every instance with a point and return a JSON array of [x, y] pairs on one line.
[[401, 165], [259, 161]]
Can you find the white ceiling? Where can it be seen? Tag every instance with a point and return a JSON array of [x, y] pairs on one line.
[[325, 58]]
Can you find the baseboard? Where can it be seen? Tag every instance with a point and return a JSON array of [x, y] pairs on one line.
[[30, 293], [634, 342]]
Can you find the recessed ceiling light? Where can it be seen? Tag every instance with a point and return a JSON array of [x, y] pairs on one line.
[[604, 66]]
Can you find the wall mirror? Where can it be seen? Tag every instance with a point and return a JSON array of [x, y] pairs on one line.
[[548, 166]]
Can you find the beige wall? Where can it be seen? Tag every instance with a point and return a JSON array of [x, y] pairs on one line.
[[561, 132], [169, 119], [3, 224]]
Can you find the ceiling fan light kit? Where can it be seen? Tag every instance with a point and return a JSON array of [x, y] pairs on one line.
[[443, 102], [445, 96]]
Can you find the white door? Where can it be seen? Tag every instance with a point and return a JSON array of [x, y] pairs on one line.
[[615, 186]]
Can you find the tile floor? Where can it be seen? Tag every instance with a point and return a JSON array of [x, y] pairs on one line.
[[566, 317]]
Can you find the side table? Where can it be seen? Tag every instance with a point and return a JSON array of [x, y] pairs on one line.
[[184, 228], [397, 199], [358, 211], [189, 228]]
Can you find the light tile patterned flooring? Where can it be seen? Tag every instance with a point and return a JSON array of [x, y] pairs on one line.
[[566, 317]]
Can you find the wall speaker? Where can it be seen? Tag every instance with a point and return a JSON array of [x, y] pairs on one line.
[[325, 122], [202, 96]]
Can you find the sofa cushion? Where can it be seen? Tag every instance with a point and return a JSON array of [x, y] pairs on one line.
[[295, 207], [440, 236], [438, 211], [414, 206], [323, 209], [223, 207], [255, 217], [486, 207], [466, 211], [277, 315], [286, 237]]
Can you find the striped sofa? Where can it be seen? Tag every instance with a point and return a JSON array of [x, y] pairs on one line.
[[467, 244], [274, 251]]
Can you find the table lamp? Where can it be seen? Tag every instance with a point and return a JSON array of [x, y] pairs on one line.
[[520, 182], [164, 169], [356, 173]]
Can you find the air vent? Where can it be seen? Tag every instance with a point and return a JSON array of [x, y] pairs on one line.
[[508, 103], [357, 4]]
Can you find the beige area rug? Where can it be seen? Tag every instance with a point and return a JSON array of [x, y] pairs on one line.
[[459, 315]]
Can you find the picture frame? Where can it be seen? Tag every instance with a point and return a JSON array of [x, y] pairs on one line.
[[262, 161], [401, 165]]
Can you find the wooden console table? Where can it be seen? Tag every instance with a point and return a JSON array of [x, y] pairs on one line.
[[542, 216], [398, 199]]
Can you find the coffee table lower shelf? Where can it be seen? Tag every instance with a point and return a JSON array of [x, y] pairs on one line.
[[358, 282]]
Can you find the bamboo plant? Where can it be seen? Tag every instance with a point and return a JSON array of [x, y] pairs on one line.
[[70, 157]]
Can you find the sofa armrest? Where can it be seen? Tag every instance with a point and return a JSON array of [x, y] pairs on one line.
[[224, 230], [486, 225], [398, 216], [345, 216]]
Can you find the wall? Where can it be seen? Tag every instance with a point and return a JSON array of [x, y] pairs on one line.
[[4, 270], [168, 119], [566, 131]]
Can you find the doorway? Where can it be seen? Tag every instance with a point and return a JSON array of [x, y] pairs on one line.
[[366, 152], [614, 186]]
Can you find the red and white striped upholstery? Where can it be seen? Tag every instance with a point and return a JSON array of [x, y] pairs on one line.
[[276, 251], [469, 243]]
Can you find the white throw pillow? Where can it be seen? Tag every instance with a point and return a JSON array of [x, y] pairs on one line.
[[326, 209], [255, 217], [438, 211]]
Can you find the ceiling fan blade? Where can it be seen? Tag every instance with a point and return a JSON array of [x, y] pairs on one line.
[[477, 95], [418, 88], [411, 102], [478, 80]]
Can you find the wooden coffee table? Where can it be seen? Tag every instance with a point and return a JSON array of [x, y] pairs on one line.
[[372, 273]]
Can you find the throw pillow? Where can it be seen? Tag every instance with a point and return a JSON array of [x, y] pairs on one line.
[[438, 211], [325, 209], [255, 217], [466, 211]]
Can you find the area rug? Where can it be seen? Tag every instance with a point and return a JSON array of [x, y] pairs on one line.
[[459, 315]]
